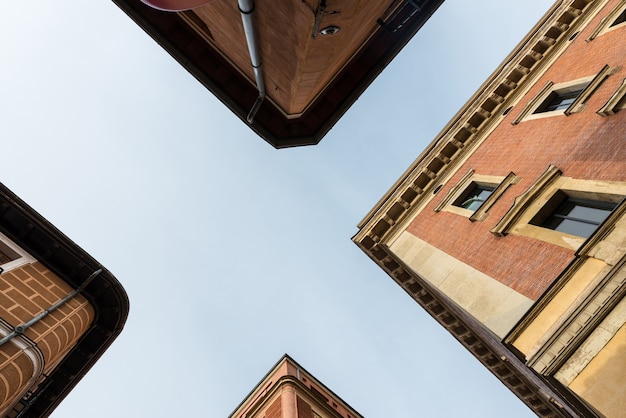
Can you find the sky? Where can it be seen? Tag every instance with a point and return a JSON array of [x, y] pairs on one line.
[[234, 253]]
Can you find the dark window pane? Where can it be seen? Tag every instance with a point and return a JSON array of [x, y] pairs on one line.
[[578, 217], [572, 227], [593, 215], [474, 198], [5, 258], [559, 101]]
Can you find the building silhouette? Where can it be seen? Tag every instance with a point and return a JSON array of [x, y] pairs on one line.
[[289, 391], [59, 311], [509, 229], [288, 69]]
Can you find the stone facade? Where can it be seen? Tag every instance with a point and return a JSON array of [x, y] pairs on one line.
[[59, 311], [506, 274]]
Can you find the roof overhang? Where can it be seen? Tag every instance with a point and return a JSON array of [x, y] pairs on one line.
[[175, 33], [32, 232]]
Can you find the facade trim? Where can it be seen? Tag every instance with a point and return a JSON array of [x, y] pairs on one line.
[[487, 347], [522, 202], [32, 351], [605, 23], [615, 102], [468, 128]]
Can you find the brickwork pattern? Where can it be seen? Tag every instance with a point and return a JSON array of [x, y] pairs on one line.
[[16, 369], [24, 293], [583, 145], [275, 409], [304, 409]]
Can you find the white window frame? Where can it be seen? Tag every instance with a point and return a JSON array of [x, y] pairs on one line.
[[23, 259]]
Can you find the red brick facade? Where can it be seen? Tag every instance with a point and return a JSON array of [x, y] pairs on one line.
[[582, 145]]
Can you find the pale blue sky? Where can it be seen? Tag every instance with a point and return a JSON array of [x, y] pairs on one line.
[[234, 253]]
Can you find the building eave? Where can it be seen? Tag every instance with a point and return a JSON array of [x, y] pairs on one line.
[[238, 93], [32, 232], [458, 139]]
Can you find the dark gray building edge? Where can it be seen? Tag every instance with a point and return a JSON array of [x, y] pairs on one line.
[[28, 229], [221, 78]]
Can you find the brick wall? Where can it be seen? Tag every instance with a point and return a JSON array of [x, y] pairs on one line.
[[583, 145], [304, 409], [275, 409], [24, 293]]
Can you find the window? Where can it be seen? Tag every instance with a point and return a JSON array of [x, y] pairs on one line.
[[559, 100], [620, 19], [563, 98], [616, 102], [474, 197], [574, 216], [563, 211], [475, 194], [12, 256]]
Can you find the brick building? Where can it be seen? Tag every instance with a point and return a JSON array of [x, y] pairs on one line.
[[59, 311], [509, 229], [289, 391], [288, 69]]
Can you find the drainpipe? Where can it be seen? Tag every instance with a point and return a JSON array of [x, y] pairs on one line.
[[246, 7]]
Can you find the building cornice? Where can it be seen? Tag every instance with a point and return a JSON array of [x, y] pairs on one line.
[[49, 246], [460, 137], [264, 391]]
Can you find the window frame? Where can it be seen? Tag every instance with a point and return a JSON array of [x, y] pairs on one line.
[[587, 85], [464, 186], [606, 24], [518, 220], [556, 202], [470, 193], [22, 259]]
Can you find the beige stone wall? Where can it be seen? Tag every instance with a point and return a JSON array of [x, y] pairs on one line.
[[603, 382], [24, 293], [554, 313], [494, 304]]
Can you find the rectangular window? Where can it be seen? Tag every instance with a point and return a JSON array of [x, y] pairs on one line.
[[620, 19], [558, 100], [574, 216], [474, 197]]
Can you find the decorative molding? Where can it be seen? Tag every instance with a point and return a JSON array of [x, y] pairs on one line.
[[32, 351], [534, 102], [467, 129], [522, 202], [594, 304], [600, 234], [615, 102], [455, 190], [578, 105], [530, 59], [573, 331], [605, 23], [481, 214]]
